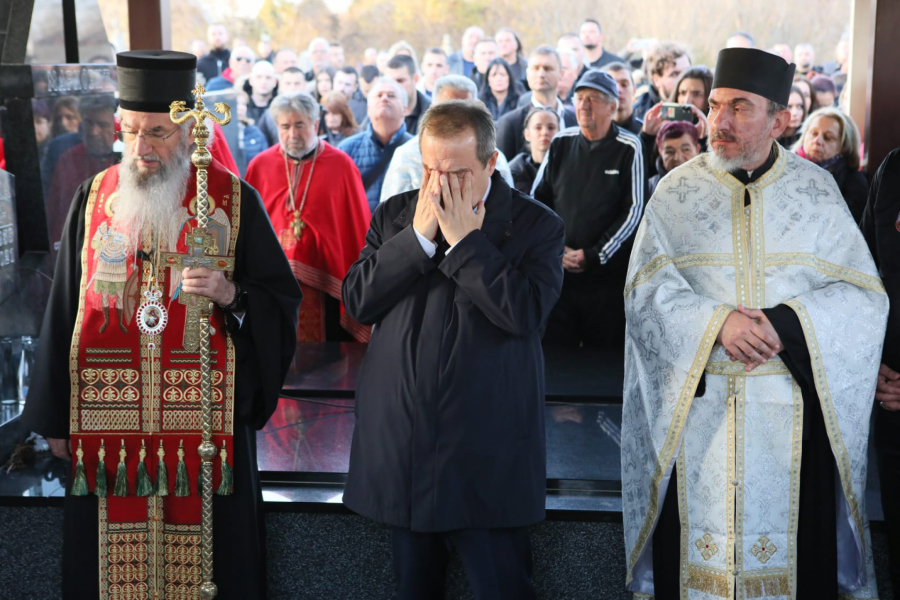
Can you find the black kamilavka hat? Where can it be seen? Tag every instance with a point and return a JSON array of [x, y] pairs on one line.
[[755, 71], [150, 80]]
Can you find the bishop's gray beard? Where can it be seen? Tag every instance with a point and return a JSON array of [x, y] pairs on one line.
[[152, 199]]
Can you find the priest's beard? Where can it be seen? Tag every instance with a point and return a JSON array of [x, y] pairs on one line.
[[152, 199], [750, 150]]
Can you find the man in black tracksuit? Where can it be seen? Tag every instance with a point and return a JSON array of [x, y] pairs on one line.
[[593, 177]]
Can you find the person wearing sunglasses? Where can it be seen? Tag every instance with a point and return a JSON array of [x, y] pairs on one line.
[[239, 65]]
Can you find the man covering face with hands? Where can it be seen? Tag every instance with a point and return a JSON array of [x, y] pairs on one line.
[[459, 277]]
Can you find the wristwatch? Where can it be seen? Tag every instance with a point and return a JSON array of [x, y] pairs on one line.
[[239, 302]]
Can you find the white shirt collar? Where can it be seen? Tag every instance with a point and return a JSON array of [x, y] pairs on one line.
[[487, 192], [560, 109]]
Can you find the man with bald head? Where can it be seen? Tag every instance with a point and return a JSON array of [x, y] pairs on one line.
[[373, 148], [319, 56], [458, 279], [405, 172], [805, 57], [262, 85], [284, 59]]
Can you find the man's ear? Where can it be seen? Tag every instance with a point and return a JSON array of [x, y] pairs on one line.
[[782, 120], [492, 163]]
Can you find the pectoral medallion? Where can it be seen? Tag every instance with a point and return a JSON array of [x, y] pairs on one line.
[[152, 316]]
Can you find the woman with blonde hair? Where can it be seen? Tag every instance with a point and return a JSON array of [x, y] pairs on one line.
[[339, 120], [830, 139], [403, 47]]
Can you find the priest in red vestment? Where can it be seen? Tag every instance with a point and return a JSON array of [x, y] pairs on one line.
[[316, 201]]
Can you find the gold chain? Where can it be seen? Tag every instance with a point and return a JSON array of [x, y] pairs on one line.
[[292, 183]]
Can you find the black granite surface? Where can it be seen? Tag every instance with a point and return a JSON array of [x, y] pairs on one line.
[[346, 557], [572, 374]]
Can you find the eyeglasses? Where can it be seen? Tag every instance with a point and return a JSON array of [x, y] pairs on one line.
[[154, 139]]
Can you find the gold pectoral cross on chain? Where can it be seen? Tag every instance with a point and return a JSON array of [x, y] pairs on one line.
[[299, 225], [200, 244]]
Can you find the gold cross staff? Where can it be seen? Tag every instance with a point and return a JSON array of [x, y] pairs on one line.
[[199, 241]]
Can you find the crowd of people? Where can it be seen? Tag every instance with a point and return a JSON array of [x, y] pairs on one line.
[[586, 132], [337, 153]]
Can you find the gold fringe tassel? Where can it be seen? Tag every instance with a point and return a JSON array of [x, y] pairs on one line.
[[162, 475], [767, 585], [100, 486], [707, 583]]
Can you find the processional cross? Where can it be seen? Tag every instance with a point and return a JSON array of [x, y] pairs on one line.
[[199, 241], [196, 328]]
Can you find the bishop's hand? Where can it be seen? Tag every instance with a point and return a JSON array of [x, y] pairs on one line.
[[209, 284], [749, 337]]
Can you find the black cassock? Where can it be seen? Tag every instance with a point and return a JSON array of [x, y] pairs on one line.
[[264, 346], [817, 523]]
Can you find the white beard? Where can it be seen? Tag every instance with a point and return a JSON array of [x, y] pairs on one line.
[[152, 200], [748, 154], [726, 165]]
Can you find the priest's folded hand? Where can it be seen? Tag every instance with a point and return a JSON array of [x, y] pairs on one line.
[[749, 337], [887, 390], [459, 216], [425, 220], [209, 284]]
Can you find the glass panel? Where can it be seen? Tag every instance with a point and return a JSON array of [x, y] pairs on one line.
[[8, 236], [313, 435], [75, 125], [46, 41], [307, 435], [232, 135]]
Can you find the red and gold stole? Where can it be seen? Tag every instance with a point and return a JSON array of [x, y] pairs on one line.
[[135, 399]]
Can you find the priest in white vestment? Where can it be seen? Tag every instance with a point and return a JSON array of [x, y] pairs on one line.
[[755, 320]]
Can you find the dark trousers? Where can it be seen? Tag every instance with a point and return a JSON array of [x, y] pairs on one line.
[[497, 562], [887, 445], [588, 315]]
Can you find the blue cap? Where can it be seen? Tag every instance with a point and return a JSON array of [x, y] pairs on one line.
[[600, 81]]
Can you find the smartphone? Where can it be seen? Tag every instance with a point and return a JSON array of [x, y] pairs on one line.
[[672, 111]]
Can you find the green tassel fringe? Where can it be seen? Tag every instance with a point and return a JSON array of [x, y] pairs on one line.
[[144, 483], [162, 479], [100, 486], [121, 488], [226, 488], [200, 481], [182, 487], [80, 484]]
